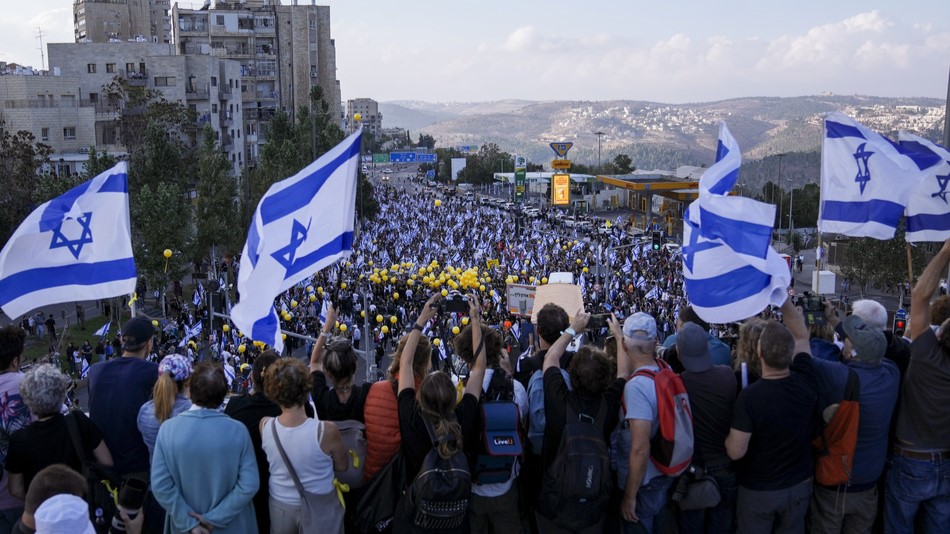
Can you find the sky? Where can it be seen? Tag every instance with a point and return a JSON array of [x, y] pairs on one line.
[[671, 51]]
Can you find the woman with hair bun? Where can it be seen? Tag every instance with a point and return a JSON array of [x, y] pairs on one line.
[[170, 397], [334, 360]]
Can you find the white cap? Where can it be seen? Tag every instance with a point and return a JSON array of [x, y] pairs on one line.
[[63, 514]]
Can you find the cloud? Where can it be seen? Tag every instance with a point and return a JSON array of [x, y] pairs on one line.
[[520, 40]]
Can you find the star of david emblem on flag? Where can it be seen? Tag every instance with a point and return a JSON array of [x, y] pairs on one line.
[[74, 246]]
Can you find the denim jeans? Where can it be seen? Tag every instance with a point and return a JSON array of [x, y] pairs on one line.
[[776, 511], [917, 486], [719, 519], [651, 500]]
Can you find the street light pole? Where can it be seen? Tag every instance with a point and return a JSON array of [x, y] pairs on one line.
[[599, 135]]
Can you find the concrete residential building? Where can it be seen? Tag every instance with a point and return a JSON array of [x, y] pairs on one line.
[[102, 21], [371, 118], [53, 109], [206, 84], [282, 51]]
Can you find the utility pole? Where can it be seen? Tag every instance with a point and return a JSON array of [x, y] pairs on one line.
[[600, 136]]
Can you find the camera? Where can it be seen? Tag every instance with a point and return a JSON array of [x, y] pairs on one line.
[[813, 308], [455, 302], [131, 498], [597, 321]]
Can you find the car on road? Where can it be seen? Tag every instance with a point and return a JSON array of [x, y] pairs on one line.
[[532, 212]]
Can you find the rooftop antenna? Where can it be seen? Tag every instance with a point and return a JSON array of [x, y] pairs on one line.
[[39, 35]]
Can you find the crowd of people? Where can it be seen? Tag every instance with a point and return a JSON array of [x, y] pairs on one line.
[[481, 420]]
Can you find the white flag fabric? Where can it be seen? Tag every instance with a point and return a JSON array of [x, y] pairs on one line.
[[730, 270], [190, 332], [866, 181], [301, 225], [75, 247], [928, 210], [84, 371], [104, 331]]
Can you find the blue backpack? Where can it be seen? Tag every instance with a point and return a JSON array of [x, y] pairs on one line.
[[500, 445]]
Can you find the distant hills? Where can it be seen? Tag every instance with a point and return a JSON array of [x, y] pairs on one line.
[[665, 136]]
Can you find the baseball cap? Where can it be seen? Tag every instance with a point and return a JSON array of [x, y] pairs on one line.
[[137, 331], [692, 346], [63, 514], [640, 326], [868, 342]]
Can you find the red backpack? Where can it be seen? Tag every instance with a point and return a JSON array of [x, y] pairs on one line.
[[671, 450]]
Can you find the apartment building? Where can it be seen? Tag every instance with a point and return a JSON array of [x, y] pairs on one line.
[[103, 21], [371, 118]]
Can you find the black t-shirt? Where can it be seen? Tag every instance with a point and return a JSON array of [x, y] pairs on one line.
[[712, 397], [329, 407], [923, 417], [781, 415], [415, 437], [117, 389], [44, 443], [555, 410]]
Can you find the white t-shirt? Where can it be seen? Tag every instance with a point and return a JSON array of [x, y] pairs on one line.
[[313, 466]]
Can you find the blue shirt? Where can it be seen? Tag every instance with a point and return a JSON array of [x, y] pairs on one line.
[[880, 386]]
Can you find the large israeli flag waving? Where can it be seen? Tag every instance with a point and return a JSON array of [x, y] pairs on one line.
[[928, 210], [866, 181], [730, 270], [75, 247], [301, 225]]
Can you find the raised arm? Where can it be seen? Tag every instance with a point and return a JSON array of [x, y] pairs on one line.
[[406, 378], [924, 289], [795, 322], [553, 356], [476, 374], [316, 355], [623, 362]]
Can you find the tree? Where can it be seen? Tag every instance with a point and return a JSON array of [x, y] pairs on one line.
[[426, 141], [880, 263], [98, 163], [216, 212], [622, 164], [138, 108], [161, 220], [21, 158], [367, 207]]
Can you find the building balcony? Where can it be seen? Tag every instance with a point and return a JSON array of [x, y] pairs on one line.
[[194, 93], [227, 143]]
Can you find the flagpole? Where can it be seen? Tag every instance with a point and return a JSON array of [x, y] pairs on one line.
[[821, 180], [910, 266]]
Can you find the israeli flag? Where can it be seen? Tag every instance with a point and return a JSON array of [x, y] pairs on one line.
[[75, 247], [190, 332], [196, 298], [928, 210], [104, 331], [866, 182], [84, 371], [301, 225], [324, 310]]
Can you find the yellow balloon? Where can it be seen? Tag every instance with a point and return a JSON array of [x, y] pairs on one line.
[[226, 329], [393, 319], [363, 313], [445, 293], [584, 269], [384, 329], [379, 318], [293, 304], [239, 334], [242, 348], [309, 289], [464, 321], [342, 328], [578, 260], [531, 280], [370, 263], [481, 288], [438, 203], [313, 298], [167, 253], [410, 282], [282, 336], [155, 324], [357, 117], [544, 280], [342, 285], [436, 342], [455, 330]]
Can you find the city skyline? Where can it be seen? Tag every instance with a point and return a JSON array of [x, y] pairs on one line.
[[557, 50]]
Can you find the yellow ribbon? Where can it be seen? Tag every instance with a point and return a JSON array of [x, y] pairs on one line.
[[341, 488], [112, 491], [135, 297], [356, 458]]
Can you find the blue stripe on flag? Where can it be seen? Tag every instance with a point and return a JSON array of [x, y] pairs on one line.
[[920, 154], [928, 221], [879, 211], [741, 236], [116, 183], [253, 242], [298, 195], [835, 130], [84, 274], [727, 288], [266, 327], [336, 245], [59, 206]]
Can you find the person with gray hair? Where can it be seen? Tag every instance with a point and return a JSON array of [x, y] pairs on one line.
[[852, 506], [875, 315], [48, 440]]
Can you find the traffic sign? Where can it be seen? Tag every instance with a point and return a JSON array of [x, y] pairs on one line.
[[430, 173], [561, 164], [402, 157], [901, 313], [425, 158], [380, 158], [561, 148]]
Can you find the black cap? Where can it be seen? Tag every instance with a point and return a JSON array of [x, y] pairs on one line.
[[137, 331]]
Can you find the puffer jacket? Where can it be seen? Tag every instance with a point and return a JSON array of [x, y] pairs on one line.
[[381, 414]]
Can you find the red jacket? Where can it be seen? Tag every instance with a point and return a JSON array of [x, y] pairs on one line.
[[381, 416]]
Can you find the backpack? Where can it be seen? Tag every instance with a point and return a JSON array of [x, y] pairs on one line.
[[671, 449], [839, 438], [500, 445], [577, 485], [353, 435], [438, 497]]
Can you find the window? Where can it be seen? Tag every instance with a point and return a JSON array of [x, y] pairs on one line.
[[129, 68], [67, 101], [214, 81], [214, 108], [91, 68], [93, 97], [164, 81], [69, 133], [110, 68], [219, 20], [44, 135]]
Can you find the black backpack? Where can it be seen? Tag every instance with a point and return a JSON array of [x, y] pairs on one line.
[[500, 445], [577, 484], [438, 496]]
